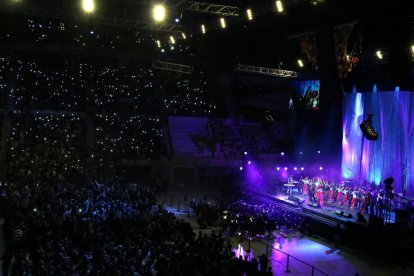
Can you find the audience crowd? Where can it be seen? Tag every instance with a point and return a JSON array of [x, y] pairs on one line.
[[87, 85], [45, 146], [64, 35]]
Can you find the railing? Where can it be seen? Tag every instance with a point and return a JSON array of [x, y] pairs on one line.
[[313, 268]]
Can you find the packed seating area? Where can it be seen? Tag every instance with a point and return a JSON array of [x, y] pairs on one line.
[[45, 147], [80, 84], [131, 138], [117, 228], [59, 34]]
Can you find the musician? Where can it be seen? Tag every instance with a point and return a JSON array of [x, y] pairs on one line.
[[290, 185], [312, 190], [306, 182]]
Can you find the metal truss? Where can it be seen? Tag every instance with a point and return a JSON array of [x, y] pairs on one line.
[[207, 8], [266, 71], [175, 67], [60, 13]]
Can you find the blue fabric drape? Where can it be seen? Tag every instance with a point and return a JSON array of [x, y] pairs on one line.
[[392, 154]]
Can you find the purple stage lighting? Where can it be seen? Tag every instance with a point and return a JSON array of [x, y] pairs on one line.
[[249, 162], [241, 168], [302, 169], [300, 153], [320, 168], [245, 153], [295, 168], [286, 168], [282, 153], [319, 151], [278, 168]]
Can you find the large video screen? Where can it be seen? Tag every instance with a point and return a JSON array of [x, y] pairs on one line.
[[306, 96]]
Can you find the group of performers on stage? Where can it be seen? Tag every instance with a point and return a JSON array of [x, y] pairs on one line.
[[361, 199]]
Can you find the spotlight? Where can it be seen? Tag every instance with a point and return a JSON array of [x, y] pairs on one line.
[[319, 151], [302, 168], [412, 48], [295, 168], [158, 43], [320, 168], [300, 63], [286, 168], [203, 29], [278, 168], [249, 162], [279, 6], [300, 153], [177, 20], [241, 168], [245, 153], [249, 14], [172, 39], [282, 153], [159, 13], [223, 23], [379, 54], [183, 35], [88, 6]]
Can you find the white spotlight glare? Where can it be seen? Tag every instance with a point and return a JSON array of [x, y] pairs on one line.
[[203, 29], [158, 43], [300, 63], [412, 48], [88, 6], [379, 54], [279, 6], [249, 14], [159, 13], [295, 168], [183, 35], [278, 168], [223, 23], [286, 168], [172, 39], [302, 168], [320, 168], [241, 168]]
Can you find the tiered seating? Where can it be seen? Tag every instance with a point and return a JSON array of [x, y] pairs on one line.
[[189, 136]]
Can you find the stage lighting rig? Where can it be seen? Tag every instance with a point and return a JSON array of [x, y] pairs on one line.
[[249, 14], [88, 6], [279, 6], [159, 13]]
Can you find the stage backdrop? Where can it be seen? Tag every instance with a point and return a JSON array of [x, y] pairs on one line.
[[393, 153]]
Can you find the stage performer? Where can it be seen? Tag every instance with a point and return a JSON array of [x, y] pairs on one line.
[[339, 196], [363, 204], [305, 186], [331, 194], [345, 197], [312, 190], [354, 198], [290, 185], [320, 195]]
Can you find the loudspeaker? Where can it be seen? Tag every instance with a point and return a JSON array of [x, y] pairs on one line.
[[313, 205], [294, 199], [339, 213], [361, 218], [368, 130], [347, 215]]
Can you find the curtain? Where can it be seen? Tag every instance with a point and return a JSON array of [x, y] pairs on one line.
[[365, 161]]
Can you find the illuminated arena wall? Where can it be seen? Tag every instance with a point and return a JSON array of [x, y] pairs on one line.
[[393, 153]]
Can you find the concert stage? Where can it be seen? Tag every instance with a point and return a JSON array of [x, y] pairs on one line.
[[329, 214]]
